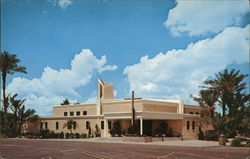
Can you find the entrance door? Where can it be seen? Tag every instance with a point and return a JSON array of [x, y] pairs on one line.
[[147, 127]]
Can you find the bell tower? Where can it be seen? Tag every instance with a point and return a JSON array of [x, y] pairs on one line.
[[105, 91]]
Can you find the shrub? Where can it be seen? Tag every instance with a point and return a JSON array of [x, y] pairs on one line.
[[61, 136], [163, 128], [77, 135], [97, 131], [116, 129], [67, 135], [83, 136], [133, 129], [236, 142], [200, 134], [211, 135]]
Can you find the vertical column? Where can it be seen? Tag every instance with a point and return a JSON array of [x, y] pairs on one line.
[[105, 127], [141, 126]]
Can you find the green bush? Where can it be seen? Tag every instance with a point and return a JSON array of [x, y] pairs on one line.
[[83, 136], [77, 135], [116, 129], [61, 136], [200, 134], [236, 142], [67, 135], [211, 135], [133, 129]]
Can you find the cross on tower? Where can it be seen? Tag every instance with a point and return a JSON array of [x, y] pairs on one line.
[[132, 109]]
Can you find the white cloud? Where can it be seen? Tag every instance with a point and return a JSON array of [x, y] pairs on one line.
[[202, 17], [64, 3], [61, 3], [55, 85], [178, 73]]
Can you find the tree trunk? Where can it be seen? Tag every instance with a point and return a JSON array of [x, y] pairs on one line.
[[4, 102]]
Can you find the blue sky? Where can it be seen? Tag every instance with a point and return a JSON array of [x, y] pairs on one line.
[[161, 49]]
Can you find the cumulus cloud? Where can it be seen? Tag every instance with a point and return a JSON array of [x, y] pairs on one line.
[[178, 73], [202, 17], [61, 3], [64, 3], [55, 85]]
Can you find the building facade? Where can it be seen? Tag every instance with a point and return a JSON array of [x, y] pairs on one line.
[[148, 113]]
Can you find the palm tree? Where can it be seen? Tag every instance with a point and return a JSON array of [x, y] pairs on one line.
[[8, 65], [230, 86], [70, 124], [25, 116], [207, 98], [15, 107], [65, 102]]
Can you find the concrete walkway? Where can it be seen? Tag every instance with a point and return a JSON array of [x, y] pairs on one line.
[[185, 143]]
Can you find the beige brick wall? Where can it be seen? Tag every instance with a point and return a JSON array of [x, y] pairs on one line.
[[190, 134], [59, 110], [176, 126], [120, 107], [194, 109], [81, 129], [159, 108]]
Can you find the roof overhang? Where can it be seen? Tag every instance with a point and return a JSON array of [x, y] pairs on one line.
[[144, 115]]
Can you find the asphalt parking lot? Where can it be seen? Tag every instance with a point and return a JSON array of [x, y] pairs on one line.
[[46, 149]]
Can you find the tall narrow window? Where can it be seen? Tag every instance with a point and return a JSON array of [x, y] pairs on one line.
[[57, 125], [188, 125], [46, 125], [41, 125], [102, 124], [193, 125], [71, 113], [109, 124], [65, 113], [77, 113], [87, 124]]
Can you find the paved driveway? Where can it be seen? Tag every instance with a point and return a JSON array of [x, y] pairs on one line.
[[49, 149]]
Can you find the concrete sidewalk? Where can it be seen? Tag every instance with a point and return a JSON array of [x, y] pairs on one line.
[[185, 143]]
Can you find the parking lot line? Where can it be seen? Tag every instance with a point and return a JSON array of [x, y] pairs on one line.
[[96, 155], [70, 150], [196, 155], [141, 153], [166, 156]]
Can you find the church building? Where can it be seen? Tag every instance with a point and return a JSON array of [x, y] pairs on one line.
[[148, 114]]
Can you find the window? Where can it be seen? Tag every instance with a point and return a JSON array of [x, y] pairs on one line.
[[87, 124], [78, 113], [46, 125], [193, 125], [65, 113], [102, 124], [109, 124], [71, 113], [57, 125], [191, 112], [197, 113], [188, 124], [84, 113], [41, 125]]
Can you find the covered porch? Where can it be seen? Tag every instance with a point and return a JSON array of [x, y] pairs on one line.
[[148, 122]]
